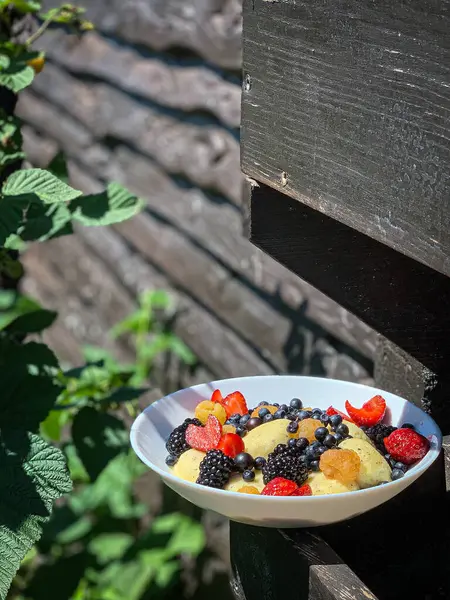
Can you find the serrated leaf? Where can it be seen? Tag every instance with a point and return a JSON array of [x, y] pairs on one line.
[[98, 438], [16, 76], [113, 205], [33, 476], [41, 183], [110, 546], [44, 222]]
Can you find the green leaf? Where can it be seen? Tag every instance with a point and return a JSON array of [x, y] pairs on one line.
[[42, 184], [110, 546], [11, 214], [158, 299], [10, 266], [189, 538], [52, 426], [23, 6], [16, 76], [167, 523], [113, 205], [76, 531], [44, 222], [124, 394], [58, 166], [76, 468], [21, 314], [33, 476], [58, 579], [10, 139], [166, 573], [98, 438], [179, 348]]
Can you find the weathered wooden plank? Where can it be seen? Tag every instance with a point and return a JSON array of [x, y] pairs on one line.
[[188, 88], [210, 29], [348, 112], [217, 229], [203, 153]]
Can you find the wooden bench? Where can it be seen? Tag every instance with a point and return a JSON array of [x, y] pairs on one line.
[[345, 142]]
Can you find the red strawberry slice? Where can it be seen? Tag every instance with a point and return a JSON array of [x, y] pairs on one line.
[[406, 445], [371, 413], [231, 444], [217, 396], [305, 490], [334, 411], [235, 403], [204, 438], [280, 487]]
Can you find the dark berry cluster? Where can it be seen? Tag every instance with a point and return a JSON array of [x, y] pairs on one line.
[[215, 469], [377, 433], [176, 444], [286, 461]]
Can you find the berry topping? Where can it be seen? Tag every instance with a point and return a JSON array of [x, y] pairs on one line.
[[307, 429], [342, 429], [304, 414], [206, 408], [321, 433], [292, 427], [231, 444], [334, 411], [285, 462], [235, 403], [248, 475], [204, 438], [248, 489], [296, 403], [342, 465], [215, 469], [260, 461], [371, 413], [177, 444], [305, 490], [280, 487], [265, 409], [330, 441], [377, 433], [171, 460], [267, 418], [244, 461], [217, 396], [397, 474], [254, 422], [406, 446]]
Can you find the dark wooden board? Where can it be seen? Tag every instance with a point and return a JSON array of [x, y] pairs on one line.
[[350, 100]]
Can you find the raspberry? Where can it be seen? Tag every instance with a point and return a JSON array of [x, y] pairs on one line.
[[206, 408], [280, 487], [176, 444], [305, 490], [371, 413], [248, 489], [307, 429], [231, 444], [215, 469], [407, 446], [204, 438], [342, 465], [377, 433], [285, 462]]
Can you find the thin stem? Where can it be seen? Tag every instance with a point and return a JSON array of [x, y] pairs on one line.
[[40, 31]]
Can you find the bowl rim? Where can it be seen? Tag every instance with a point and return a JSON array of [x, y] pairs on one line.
[[416, 470]]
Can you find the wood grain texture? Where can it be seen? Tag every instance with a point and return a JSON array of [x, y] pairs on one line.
[[210, 29], [351, 101], [189, 88]]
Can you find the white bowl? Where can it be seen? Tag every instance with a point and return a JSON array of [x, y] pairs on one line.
[[151, 429]]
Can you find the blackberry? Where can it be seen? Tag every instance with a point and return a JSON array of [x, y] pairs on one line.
[[377, 433], [285, 462], [176, 444], [215, 469]]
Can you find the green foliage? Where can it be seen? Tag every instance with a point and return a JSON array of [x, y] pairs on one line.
[[10, 140]]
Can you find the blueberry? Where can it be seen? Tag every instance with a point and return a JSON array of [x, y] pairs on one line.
[[263, 412], [325, 418], [408, 426], [292, 443], [314, 465], [329, 441], [342, 429], [267, 418], [303, 414], [302, 443], [260, 461], [243, 461], [276, 404], [284, 407], [292, 427], [312, 453], [335, 420], [322, 449], [292, 416], [248, 475], [338, 437], [296, 403], [240, 430], [171, 460], [397, 474], [321, 433], [253, 422], [401, 466], [317, 411], [244, 420], [279, 448], [315, 444], [263, 403], [235, 418], [280, 414], [316, 416]]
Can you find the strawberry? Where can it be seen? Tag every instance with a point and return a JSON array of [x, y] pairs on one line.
[[305, 490], [204, 438], [371, 413], [217, 396], [406, 445], [280, 487], [235, 403], [334, 411], [231, 444]]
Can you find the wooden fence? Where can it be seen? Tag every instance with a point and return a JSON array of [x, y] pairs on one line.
[[152, 99]]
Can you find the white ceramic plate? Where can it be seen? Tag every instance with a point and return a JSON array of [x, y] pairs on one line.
[[151, 429]]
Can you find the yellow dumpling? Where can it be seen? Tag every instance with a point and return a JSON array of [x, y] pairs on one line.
[[262, 440], [236, 482], [321, 485], [188, 465], [374, 468], [356, 432]]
